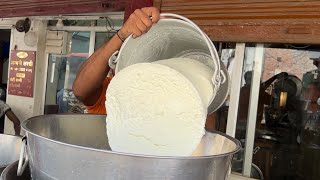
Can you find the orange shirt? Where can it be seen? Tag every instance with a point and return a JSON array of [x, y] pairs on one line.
[[99, 107]]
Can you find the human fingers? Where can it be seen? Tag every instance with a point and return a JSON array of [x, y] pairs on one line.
[[153, 13]]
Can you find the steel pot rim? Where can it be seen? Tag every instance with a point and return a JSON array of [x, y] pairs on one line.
[[28, 132]]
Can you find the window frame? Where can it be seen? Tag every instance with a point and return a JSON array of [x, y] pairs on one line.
[[93, 29]]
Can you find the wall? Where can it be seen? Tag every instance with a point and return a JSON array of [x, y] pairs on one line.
[[25, 107], [132, 5], [295, 62]]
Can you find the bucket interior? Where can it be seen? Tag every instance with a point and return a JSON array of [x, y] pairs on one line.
[[169, 38], [90, 131]]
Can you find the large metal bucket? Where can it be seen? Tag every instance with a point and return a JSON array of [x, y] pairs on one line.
[[76, 147], [172, 37], [9, 150]]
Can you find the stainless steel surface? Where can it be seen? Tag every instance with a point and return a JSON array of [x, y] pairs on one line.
[[256, 173], [10, 173], [267, 137], [2, 168], [9, 149], [224, 88], [76, 147], [222, 93], [171, 38], [23, 159]]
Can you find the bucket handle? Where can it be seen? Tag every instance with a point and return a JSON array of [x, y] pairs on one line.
[[113, 60], [23, 159], [224, 77]]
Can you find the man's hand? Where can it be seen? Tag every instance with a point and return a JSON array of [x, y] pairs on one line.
[[139, 22]]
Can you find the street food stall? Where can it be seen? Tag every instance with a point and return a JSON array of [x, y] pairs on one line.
[[261, 37]]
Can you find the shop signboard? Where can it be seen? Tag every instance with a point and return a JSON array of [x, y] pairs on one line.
[[21, 73]]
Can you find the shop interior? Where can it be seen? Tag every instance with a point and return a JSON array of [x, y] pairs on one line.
[[286, 139], [285, 111], [286, 142]]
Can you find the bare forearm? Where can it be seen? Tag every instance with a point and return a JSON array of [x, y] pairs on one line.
[[92, 73], [15, 120], [13, 117]]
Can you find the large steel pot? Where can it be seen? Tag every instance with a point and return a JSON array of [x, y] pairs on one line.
[[9, 150], [76, 147]]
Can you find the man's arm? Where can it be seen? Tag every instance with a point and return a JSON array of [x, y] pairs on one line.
[[16, 122], [87, 86]]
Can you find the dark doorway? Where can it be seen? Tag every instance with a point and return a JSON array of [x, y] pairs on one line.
[[4, 63]]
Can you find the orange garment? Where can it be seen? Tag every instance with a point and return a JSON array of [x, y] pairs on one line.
[[99, 107]]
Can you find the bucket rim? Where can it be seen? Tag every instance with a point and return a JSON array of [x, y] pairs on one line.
[[123, 46], [116, 60], [234, 140]]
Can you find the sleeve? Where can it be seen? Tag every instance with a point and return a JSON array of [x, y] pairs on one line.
[[99, 107], [4, 107]]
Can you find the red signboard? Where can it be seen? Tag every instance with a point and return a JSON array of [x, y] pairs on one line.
[[21, 73]]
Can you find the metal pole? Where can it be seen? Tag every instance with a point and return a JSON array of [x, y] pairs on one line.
[[235, 89], [92, 40], [253, 107], [83, 28], [67, 75]]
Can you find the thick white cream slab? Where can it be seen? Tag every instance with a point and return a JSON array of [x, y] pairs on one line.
[[154, 110], [198, 73]]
